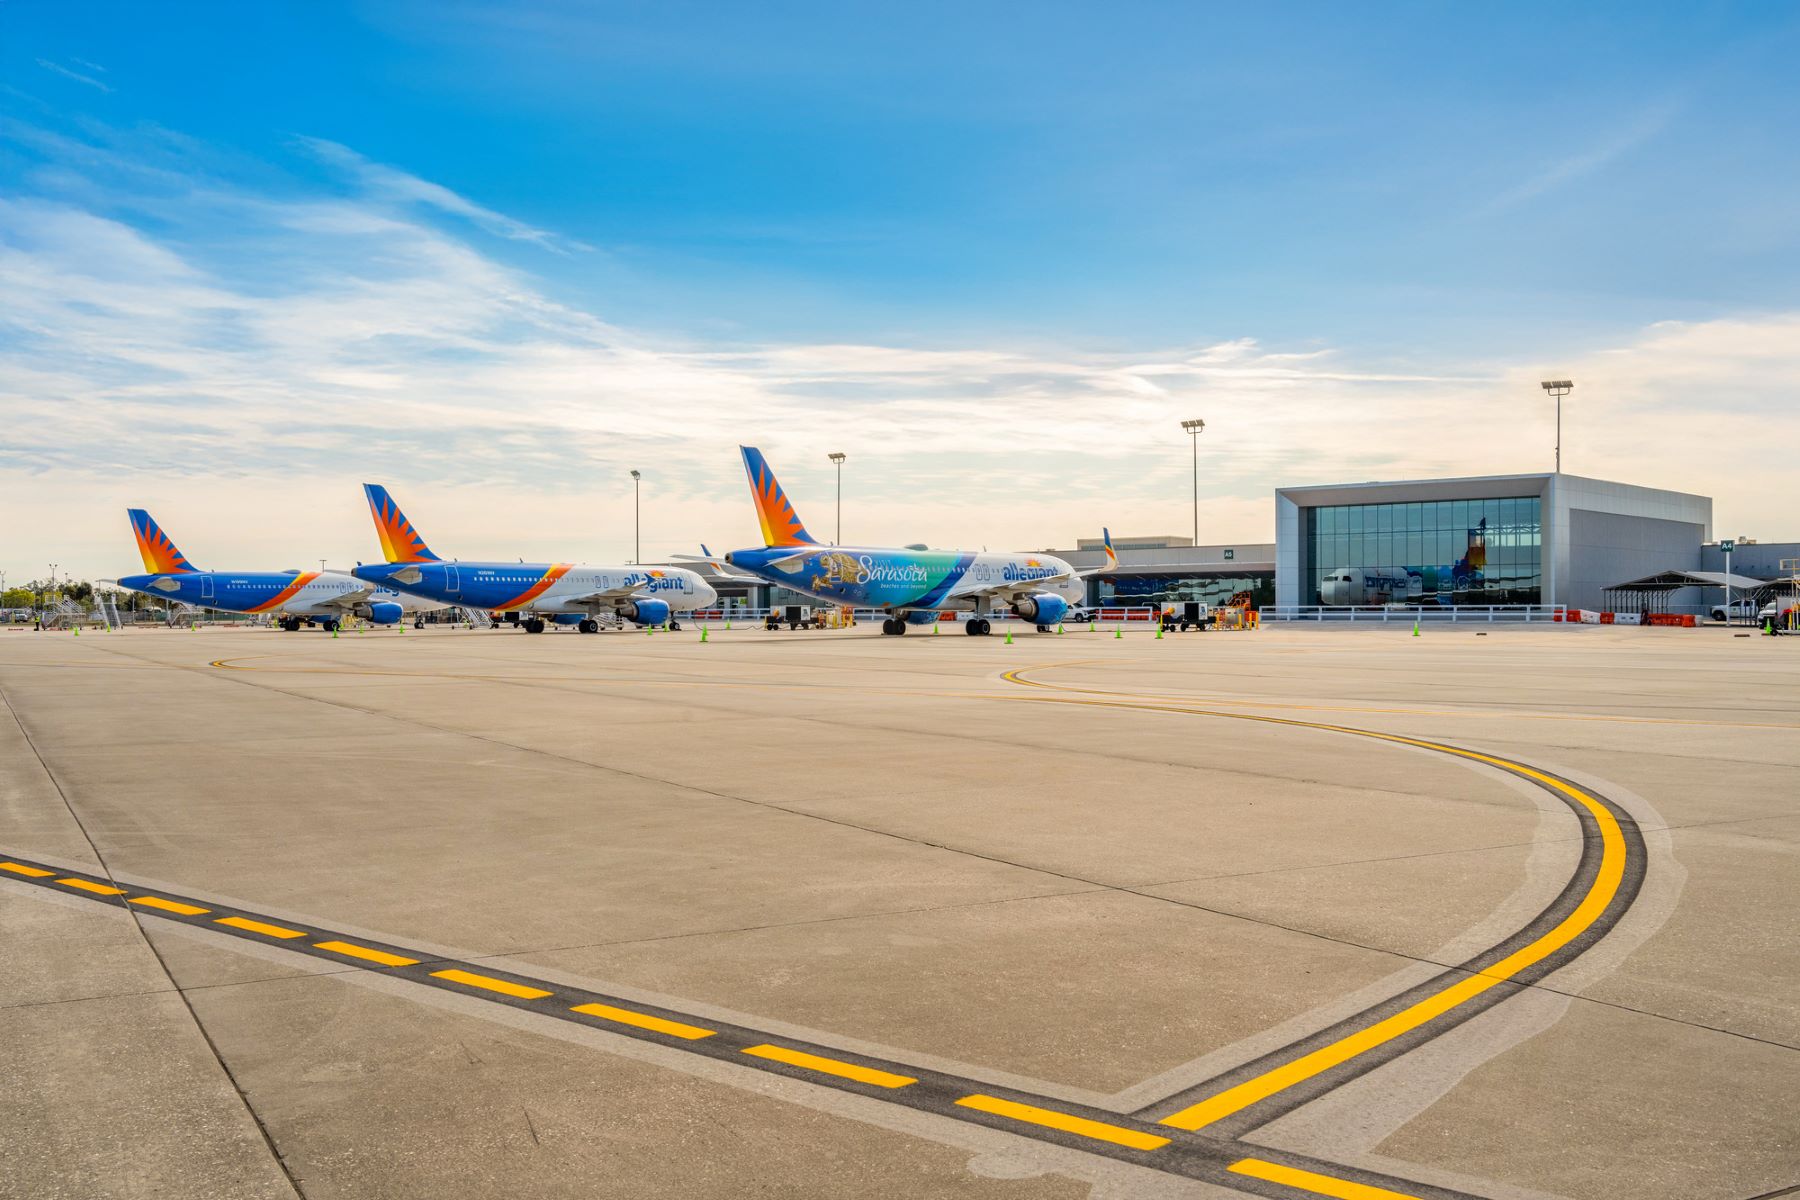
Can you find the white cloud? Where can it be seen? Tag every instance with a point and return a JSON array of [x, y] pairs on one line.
[[243, 377], [396, 185], [77, 76]]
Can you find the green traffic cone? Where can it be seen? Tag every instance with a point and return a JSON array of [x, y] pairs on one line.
[[1059, 628], [1092, 627], [77, 631], [1769, 627], [1009, 637], [935, 625], [728, 624], [1159, 632], [334, 633], [703, 633], [1117, 632], [1415, 627]]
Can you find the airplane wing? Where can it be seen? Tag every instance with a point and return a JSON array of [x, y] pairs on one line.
[[1007, 592], [605, 595], [349, 600]]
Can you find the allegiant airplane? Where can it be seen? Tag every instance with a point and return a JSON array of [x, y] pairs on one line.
[[567, 593], [322, 598], [912, 585]]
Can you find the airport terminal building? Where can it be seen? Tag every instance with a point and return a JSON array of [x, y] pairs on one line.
[[1495, 539]]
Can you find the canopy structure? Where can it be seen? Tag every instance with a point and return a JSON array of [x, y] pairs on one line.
[[1651, 593]]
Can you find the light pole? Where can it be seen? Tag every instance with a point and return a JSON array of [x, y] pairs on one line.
[[837, 457], [637, 545], [1194, 427], [1558, 388], [1728, 545]]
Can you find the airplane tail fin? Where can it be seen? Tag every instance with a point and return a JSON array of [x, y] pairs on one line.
[[161, 556], [780, 524], [400, 542], [1112, 556]]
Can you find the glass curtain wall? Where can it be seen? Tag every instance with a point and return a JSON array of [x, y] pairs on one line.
[[1424, 552]]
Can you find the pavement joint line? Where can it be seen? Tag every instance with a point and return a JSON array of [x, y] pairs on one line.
[[1313, 1182]]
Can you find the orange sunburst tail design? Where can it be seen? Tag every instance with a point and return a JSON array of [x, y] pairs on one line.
[[780, 523], [161, 556], [400, 542]]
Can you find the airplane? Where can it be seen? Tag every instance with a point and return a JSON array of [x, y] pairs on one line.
[[567, 593], [322, 598], [911, 584]]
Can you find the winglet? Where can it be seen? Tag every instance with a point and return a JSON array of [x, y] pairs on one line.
[[780, 523], [161, 557], [400, 542], [1112, 556]]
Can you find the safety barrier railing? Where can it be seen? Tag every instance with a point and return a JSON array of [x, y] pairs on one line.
[[1433, 613]]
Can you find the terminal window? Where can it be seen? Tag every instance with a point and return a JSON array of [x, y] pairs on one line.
[[1425, 552]]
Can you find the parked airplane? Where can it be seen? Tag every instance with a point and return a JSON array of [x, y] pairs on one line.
[[913, 584], [567, 593], [1410, 584], [322, 598]]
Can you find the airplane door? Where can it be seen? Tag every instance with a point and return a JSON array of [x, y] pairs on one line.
[[452, 580], [206, 591]]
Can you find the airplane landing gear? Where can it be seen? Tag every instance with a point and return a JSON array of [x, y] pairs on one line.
[[291, 624], [977, 626], [533, 625], [589, 625], [894, 626], [419, 624]]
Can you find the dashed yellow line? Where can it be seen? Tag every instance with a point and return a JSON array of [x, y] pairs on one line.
[[489, 983], [99, 889], [262, 927], [624, 1016], [186, 910], [367, 953], [1312, 1181], [1051, 1119], [831, 1066], [22, 869]]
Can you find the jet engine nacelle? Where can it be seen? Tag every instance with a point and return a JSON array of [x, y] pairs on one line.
[[385, 612], [1044, 608], [645, 612]]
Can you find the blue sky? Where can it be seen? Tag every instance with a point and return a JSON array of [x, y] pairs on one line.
[[655, 229]]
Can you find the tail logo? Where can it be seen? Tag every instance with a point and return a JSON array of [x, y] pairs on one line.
[[780, 523], [400, 542], [160, 555]]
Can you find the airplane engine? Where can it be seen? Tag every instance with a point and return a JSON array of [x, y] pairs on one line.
[[385, 612], [645, 612], [1044, 608]]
